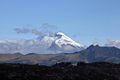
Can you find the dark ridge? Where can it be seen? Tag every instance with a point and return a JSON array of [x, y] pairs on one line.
[[18, 53], [61, 71], [31, 54]]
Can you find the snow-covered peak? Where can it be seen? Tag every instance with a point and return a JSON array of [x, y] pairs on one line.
[[65, 40], [65, 44], [60, 34]]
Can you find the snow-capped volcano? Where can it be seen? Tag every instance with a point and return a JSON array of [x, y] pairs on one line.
[[56, 43], [63, 43]]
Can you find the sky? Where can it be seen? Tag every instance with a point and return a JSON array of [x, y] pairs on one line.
[[86, 21]]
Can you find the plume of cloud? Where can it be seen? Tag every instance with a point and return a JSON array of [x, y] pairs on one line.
[[22, 30], [45, 30], [48, 29]]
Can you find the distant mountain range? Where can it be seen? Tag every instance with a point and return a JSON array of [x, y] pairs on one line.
[[57, 43], [93, 53], [51, 49]]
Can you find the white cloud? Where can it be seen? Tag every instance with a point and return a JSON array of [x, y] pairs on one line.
[[115, 43]]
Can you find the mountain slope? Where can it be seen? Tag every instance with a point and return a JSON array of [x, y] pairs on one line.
[[63, 43], [101, 54]]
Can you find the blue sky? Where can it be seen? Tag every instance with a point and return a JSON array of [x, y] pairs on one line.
[[86, 21]]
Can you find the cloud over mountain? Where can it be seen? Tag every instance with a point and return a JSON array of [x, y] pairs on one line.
[[47, 41]]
